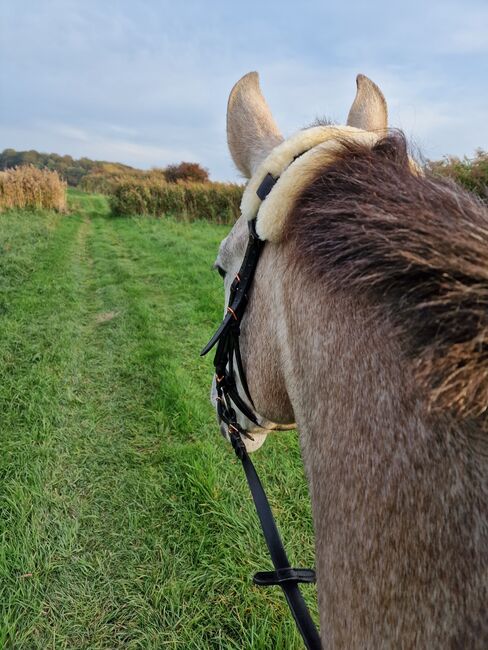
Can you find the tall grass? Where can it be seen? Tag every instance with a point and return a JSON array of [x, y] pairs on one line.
[[215, 202], [31, 188]]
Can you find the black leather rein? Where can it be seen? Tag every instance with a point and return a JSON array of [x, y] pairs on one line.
[[227, 356]]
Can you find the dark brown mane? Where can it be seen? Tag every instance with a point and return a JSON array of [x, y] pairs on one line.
[[416, 245]]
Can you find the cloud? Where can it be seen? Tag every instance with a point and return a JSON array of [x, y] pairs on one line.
[[92, 144], [147, 83], [433, 114], [466, 29]]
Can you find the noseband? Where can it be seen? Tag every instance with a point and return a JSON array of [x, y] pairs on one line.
[[227, 359]]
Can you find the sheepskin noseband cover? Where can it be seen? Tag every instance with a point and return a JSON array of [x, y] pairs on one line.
[[294, 163]]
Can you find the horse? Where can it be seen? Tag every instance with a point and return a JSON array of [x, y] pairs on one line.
[[367, 330]]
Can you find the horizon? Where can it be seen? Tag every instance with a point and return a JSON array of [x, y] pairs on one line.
[[118, 83]]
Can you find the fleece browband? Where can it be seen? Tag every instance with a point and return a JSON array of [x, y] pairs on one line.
[[291, 166]]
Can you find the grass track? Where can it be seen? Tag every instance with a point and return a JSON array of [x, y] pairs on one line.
[[125, 521]]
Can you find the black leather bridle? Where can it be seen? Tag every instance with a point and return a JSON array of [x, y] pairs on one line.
[[227, 359]]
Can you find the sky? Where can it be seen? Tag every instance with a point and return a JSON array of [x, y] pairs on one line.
[[146, 82]]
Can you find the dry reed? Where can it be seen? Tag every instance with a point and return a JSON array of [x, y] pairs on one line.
[[27, 187]]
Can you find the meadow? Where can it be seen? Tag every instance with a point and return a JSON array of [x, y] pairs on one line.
[[125, 519]]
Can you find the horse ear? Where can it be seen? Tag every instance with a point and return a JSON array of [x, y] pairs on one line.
[[251, 129], [369, 110]]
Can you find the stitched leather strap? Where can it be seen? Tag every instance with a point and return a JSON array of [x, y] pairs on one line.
[[226, 338], [284, 575]]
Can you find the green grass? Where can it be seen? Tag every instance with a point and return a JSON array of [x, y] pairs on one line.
[[125, 520]]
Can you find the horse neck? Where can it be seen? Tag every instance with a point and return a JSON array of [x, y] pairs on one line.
[[349, 383], [381, 473]]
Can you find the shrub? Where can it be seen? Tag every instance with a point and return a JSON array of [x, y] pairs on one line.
[[187, 172], [104, 179], [216, 202], [472, 173], [32, 188]]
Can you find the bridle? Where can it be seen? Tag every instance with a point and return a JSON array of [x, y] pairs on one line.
[[227, 359]]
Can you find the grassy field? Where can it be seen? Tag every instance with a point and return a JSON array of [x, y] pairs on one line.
[[125, 521]]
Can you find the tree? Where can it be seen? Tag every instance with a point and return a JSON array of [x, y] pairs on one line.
[[186, 171]]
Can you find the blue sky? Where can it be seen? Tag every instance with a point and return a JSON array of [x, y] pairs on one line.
[[146, 82]]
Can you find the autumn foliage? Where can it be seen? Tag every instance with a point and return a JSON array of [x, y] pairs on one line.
[[186, 171]]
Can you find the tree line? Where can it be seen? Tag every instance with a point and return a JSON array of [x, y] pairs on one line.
[[86, 172], [102, 176]]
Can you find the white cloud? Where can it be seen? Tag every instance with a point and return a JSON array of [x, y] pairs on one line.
[[147, 84], [84, 143]]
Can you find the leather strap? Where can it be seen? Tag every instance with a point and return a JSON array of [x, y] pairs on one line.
[[283, 575], [226, 338]]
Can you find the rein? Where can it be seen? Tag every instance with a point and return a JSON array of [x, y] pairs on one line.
[[227, 359]]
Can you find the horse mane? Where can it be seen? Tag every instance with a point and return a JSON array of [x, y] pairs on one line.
[[414, 244]]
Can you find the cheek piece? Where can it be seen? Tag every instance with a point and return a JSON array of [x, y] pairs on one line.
[[228, 352], [227, 358]]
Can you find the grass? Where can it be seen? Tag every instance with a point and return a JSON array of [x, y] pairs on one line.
[[125, 521]]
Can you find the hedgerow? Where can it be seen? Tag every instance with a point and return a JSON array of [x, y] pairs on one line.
[[215, 202]]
